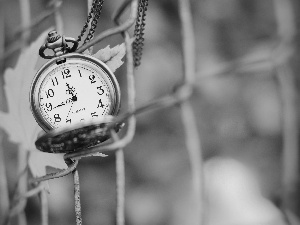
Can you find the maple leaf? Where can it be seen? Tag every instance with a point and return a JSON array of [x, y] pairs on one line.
[[19, 122], [112, 57]]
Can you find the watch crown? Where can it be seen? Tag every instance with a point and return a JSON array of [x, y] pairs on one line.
[[53, 36]]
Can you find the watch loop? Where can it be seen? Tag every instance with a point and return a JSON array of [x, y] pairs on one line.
[[58, 44]]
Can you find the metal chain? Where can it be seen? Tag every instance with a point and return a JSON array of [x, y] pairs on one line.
[[94, 22], [138, 44], [94, 14], [87, 21]]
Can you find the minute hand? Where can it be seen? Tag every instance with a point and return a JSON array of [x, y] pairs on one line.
[[70, 110]]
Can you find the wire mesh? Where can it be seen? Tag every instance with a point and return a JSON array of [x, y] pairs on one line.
[[181, 96]]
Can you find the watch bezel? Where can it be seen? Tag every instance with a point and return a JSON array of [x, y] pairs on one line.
[[70, 58]]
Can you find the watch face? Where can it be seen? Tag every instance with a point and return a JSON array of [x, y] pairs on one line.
[[78, 90]]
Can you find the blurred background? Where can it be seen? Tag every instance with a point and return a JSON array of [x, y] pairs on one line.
[[245, 104]]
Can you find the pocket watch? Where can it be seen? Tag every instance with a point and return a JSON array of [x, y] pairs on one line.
[[71, 87], [72, 92]]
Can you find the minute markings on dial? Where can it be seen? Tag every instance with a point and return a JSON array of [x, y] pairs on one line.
[[69, 83], [70, 110]]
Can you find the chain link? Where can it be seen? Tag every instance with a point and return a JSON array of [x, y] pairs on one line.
[[94, 14], [138, 44], [98, 9], [87, 21]]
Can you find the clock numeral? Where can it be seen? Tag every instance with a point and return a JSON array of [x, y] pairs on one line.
[[68, 120], [101, 90], [54, 81], [49, 93], [49, 106], [79, 73], [92, 78], [93, 114], [57, 118], [66, 73], [100, 104]]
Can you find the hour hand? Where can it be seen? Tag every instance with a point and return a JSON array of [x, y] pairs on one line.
[[61, 104], [71, 91]]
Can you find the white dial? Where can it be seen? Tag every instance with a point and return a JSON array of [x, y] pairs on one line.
[[74, 91]]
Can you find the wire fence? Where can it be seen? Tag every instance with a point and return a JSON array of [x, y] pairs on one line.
[[279, 60]]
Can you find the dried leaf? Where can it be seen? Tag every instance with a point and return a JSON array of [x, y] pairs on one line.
[[99, 154], [39, 160], [112, 56], [19, 122]]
